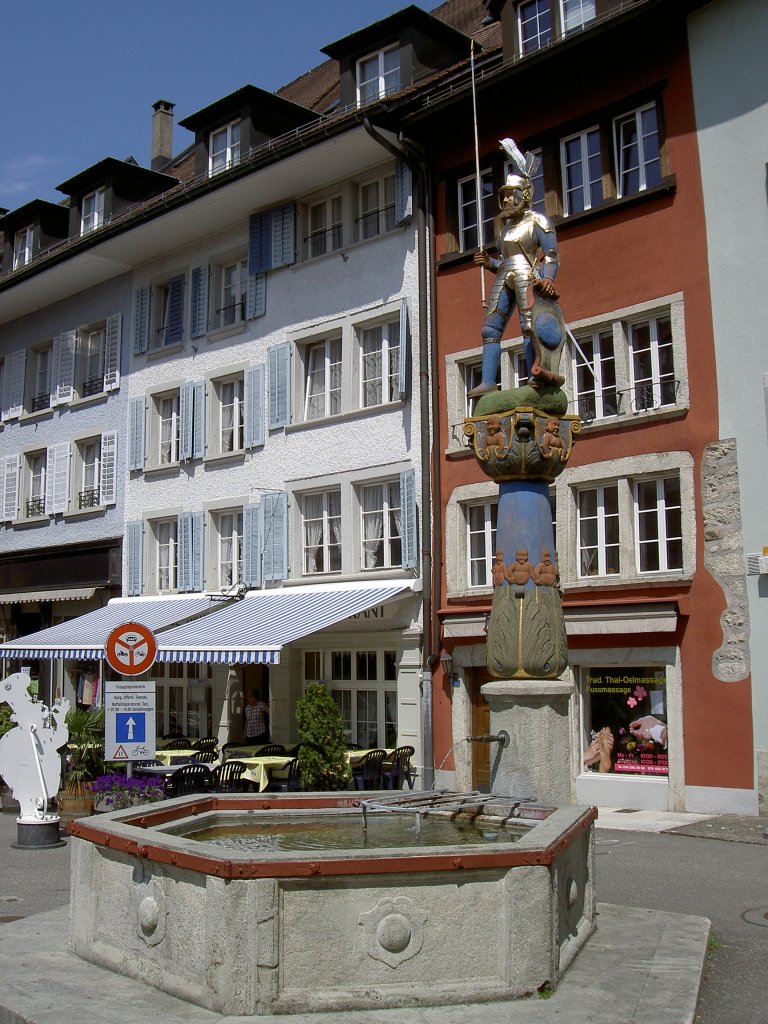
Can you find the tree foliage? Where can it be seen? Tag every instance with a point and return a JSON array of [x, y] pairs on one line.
[[323, 763]]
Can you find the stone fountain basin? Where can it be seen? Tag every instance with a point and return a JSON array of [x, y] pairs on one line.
[[246, 934]]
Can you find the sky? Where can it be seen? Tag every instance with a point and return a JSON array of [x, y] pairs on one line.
[[99, 65]]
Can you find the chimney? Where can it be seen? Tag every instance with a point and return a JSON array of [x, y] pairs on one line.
[[162, 133]]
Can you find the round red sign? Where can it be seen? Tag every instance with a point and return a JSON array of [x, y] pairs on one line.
[[131, 649]]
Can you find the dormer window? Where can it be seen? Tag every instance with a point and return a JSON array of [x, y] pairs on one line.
[[92, 211], [224, 148], [535, 24], [22, 247], [378, 75]]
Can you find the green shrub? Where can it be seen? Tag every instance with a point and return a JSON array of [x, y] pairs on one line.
[[323, 763]]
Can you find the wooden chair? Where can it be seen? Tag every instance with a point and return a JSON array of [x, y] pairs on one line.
[[369, 773], [400, 770], [226, 778], [290, 783], [190, 778]]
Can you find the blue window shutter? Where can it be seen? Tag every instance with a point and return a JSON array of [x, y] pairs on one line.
[[274, 535], [63, 370], [198, 420], [260, 243], [403, 191], [141, 320], [408, 521], [284, 235], [279, 385], [186, 420], [136, 434], [253, 397], [252, 546], [174, 327], [184, 553], [256, 296], [108, 482], [112, 352], [135, 557], [198, 322], [404, 370], [198, 551]]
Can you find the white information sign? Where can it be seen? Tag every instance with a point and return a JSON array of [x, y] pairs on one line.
[[129, 720]]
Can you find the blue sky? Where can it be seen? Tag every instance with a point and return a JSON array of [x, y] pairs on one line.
[[80, 80]]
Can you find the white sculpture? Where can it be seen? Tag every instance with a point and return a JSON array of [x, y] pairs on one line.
[[30, 761]]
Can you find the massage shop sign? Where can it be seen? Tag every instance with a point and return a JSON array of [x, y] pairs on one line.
[[628, 716]]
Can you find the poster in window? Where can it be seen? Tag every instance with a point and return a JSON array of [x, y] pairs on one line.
[[626, 712]]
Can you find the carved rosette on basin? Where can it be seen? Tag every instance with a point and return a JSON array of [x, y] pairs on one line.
[[524, 449]]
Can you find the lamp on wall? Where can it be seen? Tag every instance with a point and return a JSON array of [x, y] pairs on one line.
[[446, 660]]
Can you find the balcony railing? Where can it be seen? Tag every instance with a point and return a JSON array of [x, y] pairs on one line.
[[40, 402], [36, 507], [89, 498], [94, 386]]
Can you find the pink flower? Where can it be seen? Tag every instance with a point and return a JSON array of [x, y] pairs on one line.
[[631, 702], [640, 692]]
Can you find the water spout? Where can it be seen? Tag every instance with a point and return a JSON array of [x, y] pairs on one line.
[[502, 738]]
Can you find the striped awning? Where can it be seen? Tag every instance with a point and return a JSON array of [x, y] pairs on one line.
[[84, 637], [256, 628]]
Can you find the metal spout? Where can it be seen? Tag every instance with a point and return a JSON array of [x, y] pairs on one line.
[[501, 737]]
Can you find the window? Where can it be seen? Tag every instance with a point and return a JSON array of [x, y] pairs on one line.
[[537, 179], [229, 538], [326, 227], [231, 286], [168, 426], [598, 531], [364, 685], [658, 513], [92, 211], [167, 313], [90, 361], [322, 532], [577, 13], [638, 154], [380, 364], [594, 370], [94, 471], [468, 236], [582, 171], [224, 150], [535, 22], [231, 418], [381, 526], [90, 461], [183, 699], [166, 545], [378, 75], [653, 370], [40, 378], [22, 247], [34, 484], [323, 384], [481, 542], [377, 207]]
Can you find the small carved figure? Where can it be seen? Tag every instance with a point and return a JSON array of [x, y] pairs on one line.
[[494, 435], [499, 571], [546, 573], [551, 442], [521, 570]]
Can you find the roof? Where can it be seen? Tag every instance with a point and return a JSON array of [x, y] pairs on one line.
[[128, 172], [249, 95]]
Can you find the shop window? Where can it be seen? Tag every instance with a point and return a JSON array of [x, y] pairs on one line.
[[625, 721]]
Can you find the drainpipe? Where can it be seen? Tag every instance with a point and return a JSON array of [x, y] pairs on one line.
[[430, 466]]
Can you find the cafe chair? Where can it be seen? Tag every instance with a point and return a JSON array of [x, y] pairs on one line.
[[369, 774], [398, 768], [206, 756], [226, 778], [272, 750], [178, 744], [353, 746], [151, 763], [290, 783], [206, 743], [190, 778]]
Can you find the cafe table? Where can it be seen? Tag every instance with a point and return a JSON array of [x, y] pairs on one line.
[[258, 768], [165, 770], [176, 756]]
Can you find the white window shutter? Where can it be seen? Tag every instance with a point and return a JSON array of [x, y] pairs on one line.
[[136, 434], [253, 398], [186, 420], [198, 551], [141, 320], [279, 385], [274, 535], [112, 348], [408, 519], [13, 384], [63, 370], [256, 296], [198, 323], [108, 481], [135, 557], [184, 554], [404, 370], [57, 479], [11, 487], [252, 546], [198, 419]]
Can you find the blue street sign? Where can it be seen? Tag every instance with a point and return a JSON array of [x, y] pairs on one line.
[[130, 727]]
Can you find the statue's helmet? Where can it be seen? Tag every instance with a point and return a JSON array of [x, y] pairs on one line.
[[517, 182]]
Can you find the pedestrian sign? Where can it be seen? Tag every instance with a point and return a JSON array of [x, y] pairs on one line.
[[129, 720]]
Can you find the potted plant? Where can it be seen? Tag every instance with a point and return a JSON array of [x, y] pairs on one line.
[[115, 792], [85, 760], [323, 762]]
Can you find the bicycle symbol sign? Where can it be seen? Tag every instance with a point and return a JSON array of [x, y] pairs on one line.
[[130, 649]]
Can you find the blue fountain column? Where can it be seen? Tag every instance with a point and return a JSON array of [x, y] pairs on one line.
[[524, 521]]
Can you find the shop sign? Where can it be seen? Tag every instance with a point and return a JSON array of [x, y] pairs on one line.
[[627, 709]]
